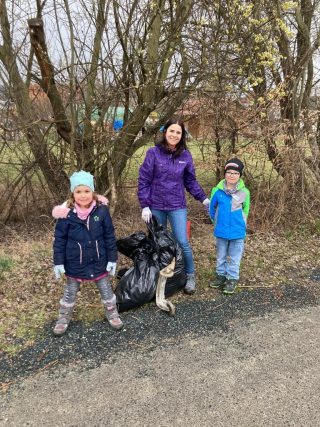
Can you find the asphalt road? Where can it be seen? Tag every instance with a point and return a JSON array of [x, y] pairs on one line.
[[223, 369]]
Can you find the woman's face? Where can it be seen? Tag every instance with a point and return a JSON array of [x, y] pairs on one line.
[[173, 135], [83, 196]]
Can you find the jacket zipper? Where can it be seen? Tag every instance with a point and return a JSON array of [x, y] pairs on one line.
[[97, 249], [80, 253]]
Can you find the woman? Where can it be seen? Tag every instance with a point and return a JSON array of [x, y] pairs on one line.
[[165, 174]]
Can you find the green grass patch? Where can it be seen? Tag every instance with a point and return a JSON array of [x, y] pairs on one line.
[[6, 264], [26, 329], [316, 228]]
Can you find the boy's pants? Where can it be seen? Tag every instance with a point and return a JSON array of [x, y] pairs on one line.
[[72, 286], [229, 254]]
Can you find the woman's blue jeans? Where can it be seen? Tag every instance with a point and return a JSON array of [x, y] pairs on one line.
[[229, 254], [178, 221]]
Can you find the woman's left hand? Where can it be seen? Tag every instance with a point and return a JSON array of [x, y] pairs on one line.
[[206, 203]]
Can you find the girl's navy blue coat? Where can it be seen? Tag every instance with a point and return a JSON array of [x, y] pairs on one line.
[[84, 247]]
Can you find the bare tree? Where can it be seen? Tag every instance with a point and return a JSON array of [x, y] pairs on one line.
[[131, 54]]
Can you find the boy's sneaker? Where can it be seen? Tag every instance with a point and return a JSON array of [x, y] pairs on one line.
[[230, 286], [218, 282]]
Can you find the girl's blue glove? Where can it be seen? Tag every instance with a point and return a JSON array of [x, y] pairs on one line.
[[58, 270], [111, 268]]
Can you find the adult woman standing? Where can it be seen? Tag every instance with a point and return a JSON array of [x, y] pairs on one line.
[[166, 172]]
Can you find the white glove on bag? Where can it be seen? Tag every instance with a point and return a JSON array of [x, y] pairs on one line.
[[58, 271], [111, 268], [146, 214]]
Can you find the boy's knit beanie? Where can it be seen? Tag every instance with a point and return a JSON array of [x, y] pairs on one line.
[[81, 178], [235, 165]]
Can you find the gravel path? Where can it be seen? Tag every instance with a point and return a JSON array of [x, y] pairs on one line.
[[149, 327], [247, 361]]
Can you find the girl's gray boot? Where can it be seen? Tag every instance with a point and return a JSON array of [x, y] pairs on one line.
[[65, 313], [112, 314], [190, 287]]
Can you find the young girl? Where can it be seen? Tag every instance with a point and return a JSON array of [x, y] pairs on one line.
[[85, 250], [229, 209]]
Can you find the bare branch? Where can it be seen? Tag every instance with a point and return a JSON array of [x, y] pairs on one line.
[[38, 43]]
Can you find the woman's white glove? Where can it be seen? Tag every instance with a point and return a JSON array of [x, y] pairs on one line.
[[206, 203], [146, 214], [58, 271], [111, 268]]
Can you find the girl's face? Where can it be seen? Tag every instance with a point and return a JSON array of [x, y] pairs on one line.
[[83, 196], [173, 135], [232, 177]]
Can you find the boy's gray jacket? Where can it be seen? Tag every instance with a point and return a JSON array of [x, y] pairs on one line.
[[84, 247], [229, 212]]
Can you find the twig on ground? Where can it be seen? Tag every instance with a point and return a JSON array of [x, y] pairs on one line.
[[4, 386]]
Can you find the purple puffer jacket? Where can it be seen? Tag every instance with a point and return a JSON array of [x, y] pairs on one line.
[[163, 179]]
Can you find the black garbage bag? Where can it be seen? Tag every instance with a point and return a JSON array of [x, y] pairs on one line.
[[129, 244], [138, 284], [168, 248], [150, 254]]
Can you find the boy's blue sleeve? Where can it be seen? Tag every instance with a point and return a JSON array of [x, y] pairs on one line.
[[213, 203]]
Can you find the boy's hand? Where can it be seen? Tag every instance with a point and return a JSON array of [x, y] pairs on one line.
[[58, 271], [111, 268]]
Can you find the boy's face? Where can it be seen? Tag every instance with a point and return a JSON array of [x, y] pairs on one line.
[[83, 196], [232, 177]]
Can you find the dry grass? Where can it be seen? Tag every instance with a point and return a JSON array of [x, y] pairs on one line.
[[29, 294]]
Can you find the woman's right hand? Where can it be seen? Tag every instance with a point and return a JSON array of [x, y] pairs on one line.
[[146, 214]]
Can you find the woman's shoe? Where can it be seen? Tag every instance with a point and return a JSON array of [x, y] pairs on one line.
[[190, 287]]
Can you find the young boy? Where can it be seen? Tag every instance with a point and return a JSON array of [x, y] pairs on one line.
[[229, 209]]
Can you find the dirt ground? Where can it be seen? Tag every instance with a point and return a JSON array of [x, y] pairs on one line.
[[270, 260]]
